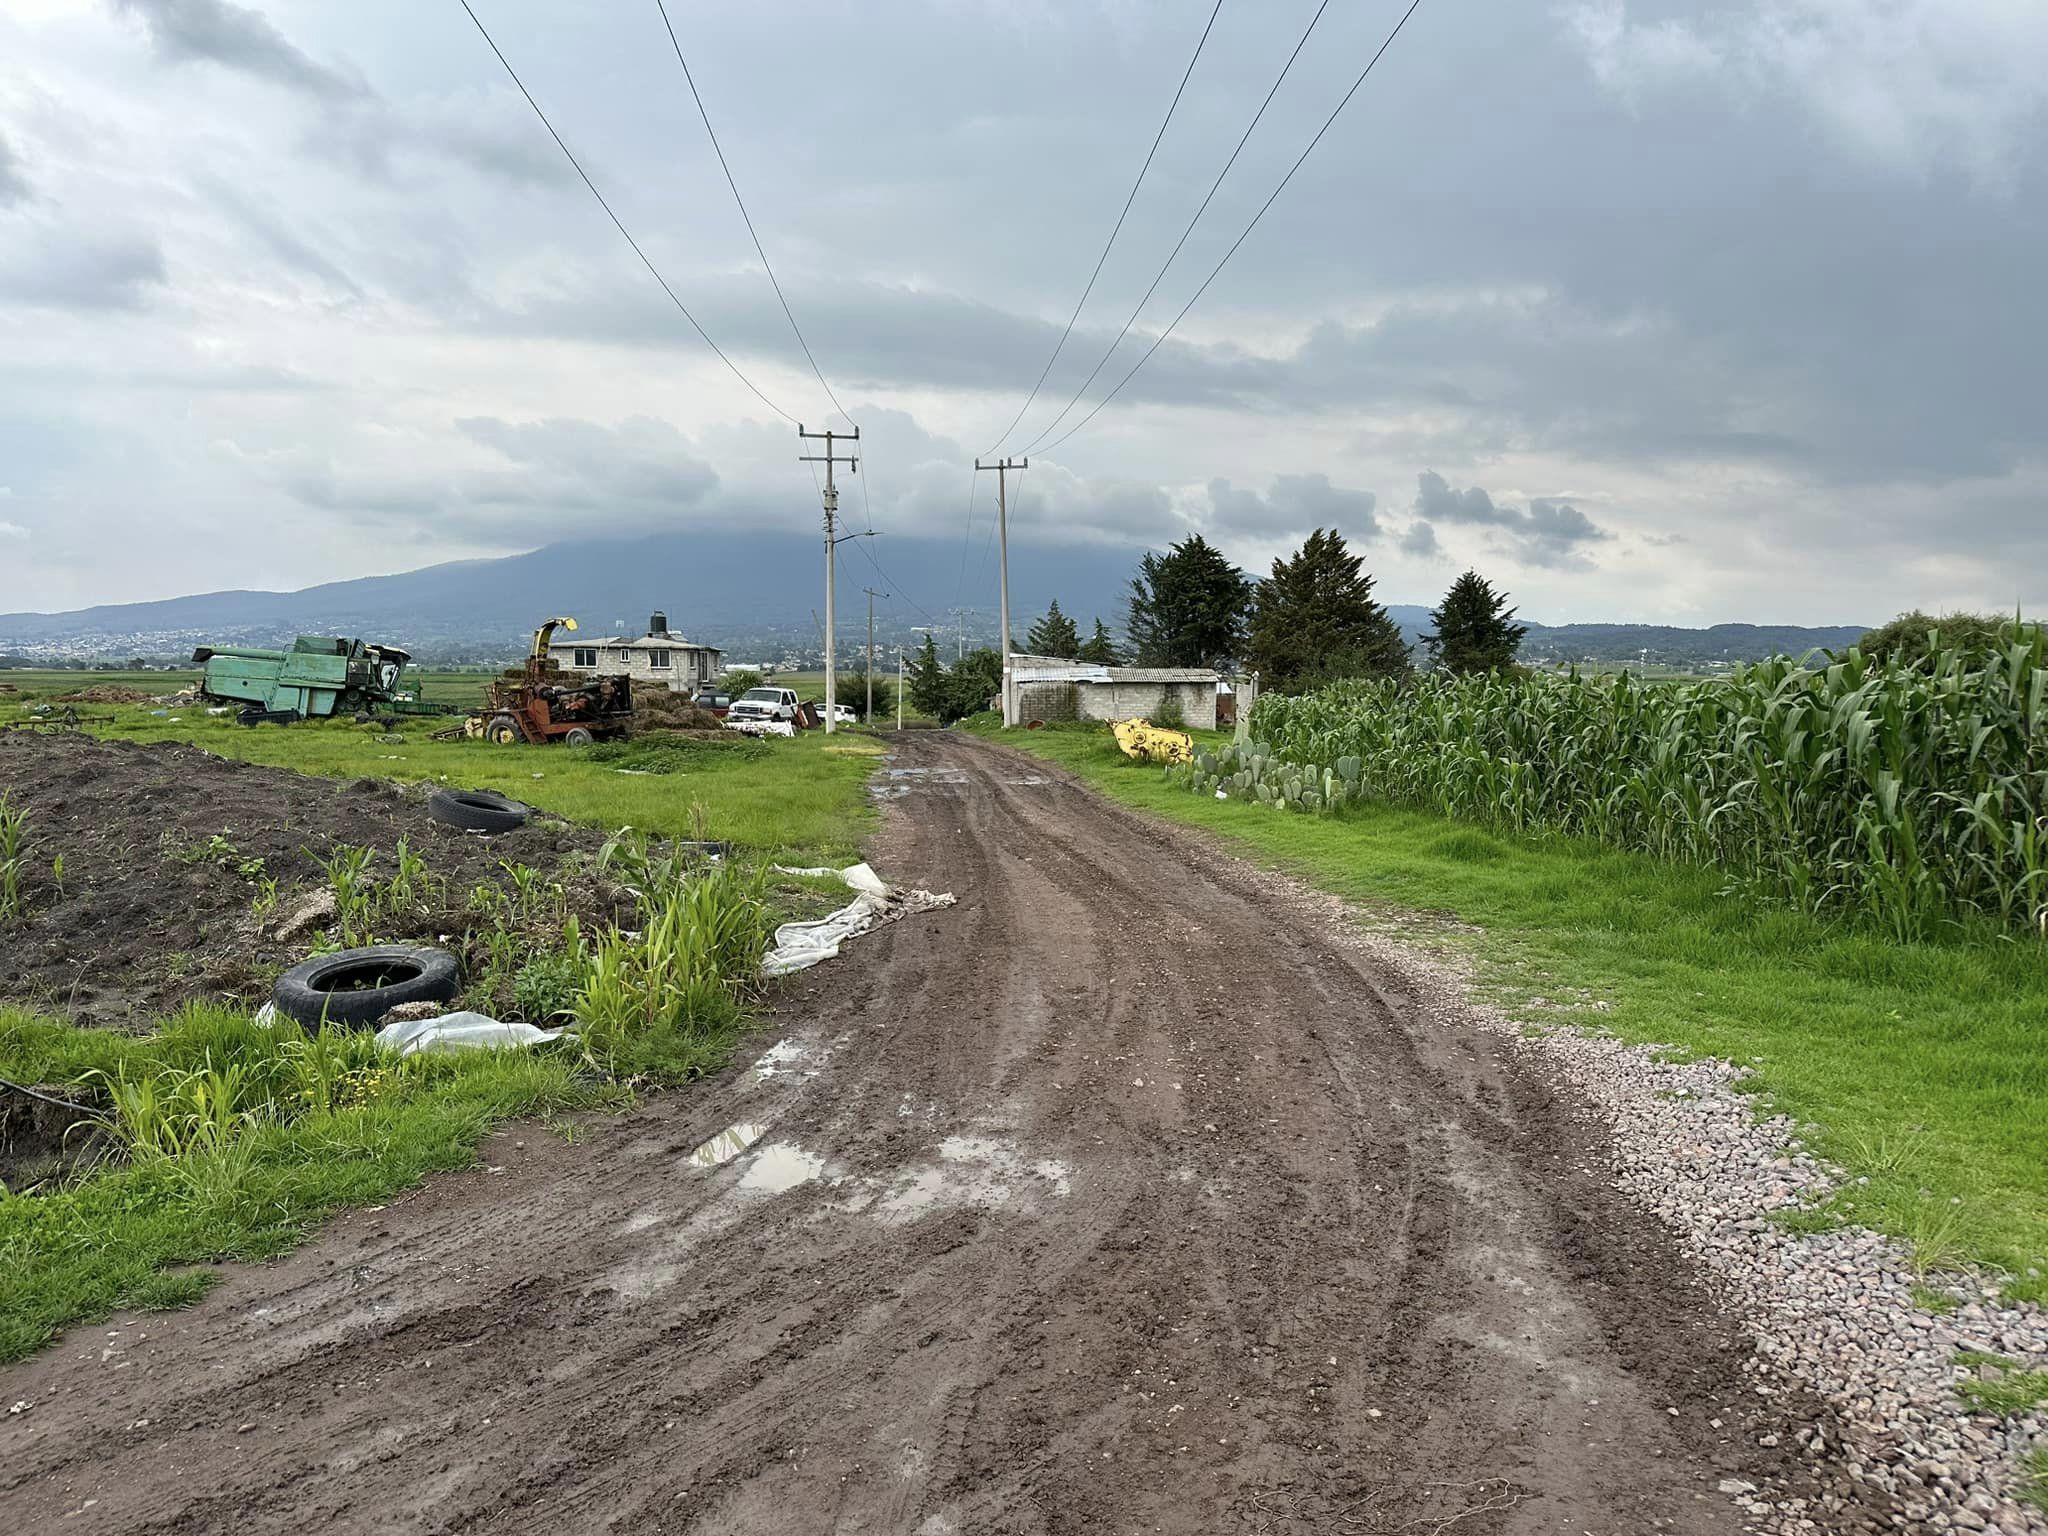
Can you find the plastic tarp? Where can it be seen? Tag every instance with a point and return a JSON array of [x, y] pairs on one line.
[[799, 946], [461, 1032]]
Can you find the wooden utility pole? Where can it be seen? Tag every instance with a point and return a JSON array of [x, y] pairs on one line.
[[869, 717], [1002, 467], [833, 539]]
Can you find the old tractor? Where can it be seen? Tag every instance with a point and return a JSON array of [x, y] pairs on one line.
[[320, 675], [545, 704]]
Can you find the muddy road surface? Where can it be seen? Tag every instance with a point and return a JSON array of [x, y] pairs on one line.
[[1121, 1197]]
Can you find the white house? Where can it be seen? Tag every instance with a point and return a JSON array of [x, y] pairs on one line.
[[656, 657]]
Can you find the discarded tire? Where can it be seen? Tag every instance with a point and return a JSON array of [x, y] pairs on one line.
[[476, 810], [360, 986]]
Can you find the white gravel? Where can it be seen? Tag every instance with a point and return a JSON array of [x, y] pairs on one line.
[[1833, 1312]]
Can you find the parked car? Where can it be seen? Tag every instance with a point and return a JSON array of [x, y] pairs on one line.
[[764, 706], [843, 714], [717, 703]]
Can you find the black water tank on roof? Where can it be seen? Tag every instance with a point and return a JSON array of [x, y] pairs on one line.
[[657, 624]]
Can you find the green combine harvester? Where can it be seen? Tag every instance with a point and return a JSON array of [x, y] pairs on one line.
[[318, 677]]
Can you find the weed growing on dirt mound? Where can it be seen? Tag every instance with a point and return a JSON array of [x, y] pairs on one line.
[[12, 821], [660, 1001]]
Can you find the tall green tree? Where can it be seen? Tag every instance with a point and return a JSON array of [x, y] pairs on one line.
[[1099, 648], [1475, 628], [1054, 635], [1188, 607], [925, 681], [1314, 620], [1909, 639]]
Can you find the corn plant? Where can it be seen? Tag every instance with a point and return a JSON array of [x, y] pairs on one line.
[[355, 894], [696, 954], [1913, 795], [13, 821], [178, 1112], [412, 886]]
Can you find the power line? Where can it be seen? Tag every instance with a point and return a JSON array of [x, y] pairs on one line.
[[894, 585], [1172, 255], [673, 299], [719, 150], [1414, 5], [1092, 276]]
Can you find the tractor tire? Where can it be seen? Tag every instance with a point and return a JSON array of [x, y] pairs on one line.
[[477, 810], [360, 986], [503, 731], [577, 736]]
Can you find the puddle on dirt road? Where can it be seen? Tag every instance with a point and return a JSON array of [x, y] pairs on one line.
[[895, 783], [726, 1145], [973, 1171], [782, 1059], [778, 1167]]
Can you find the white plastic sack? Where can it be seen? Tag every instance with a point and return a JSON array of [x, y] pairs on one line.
[[799, 946], [461, 1032]]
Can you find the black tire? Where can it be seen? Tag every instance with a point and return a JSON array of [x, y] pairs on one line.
[[503, 731], [577, 736], [477, 810], [360, 986]]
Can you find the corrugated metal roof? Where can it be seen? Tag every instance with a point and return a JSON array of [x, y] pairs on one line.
[[1050, 669]]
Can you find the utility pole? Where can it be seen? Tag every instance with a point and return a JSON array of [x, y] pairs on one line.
[[833, 539], [899, 687], [872, 595], [960, 633], [1002, 467]]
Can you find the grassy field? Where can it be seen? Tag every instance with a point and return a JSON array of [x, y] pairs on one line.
[[1925, 1064], [800, 799]]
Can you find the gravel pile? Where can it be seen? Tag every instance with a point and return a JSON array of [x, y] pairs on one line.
[[1834, 1312]]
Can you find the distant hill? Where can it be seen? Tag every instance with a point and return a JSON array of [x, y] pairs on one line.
[[759, 595]]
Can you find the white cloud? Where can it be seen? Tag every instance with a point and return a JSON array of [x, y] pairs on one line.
[[1909, 85]]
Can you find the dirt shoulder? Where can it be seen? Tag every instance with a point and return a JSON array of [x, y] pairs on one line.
[[152, 911], [1117, 1197]]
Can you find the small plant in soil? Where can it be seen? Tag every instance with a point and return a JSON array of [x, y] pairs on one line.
[[2032, 1489], [12, 821]]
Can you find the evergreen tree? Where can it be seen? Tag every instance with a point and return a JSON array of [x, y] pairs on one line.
[[925, 682], [1475, 628], [1099, 648], [1188, 607], [1054, 635], [1314, 620]]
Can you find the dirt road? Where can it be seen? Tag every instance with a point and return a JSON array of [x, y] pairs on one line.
[[1120, 1197]]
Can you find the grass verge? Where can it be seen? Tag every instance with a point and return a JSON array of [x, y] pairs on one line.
[[1924, 1064]]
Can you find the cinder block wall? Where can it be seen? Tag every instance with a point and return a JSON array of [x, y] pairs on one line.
[[1126, 701]]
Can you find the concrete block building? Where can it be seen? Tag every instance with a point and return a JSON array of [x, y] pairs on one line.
[[657, 657], [1049, 689]]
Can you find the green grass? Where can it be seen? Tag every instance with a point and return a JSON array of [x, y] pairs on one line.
[[463, 690], [802, 800], [1925, 1064], [132, 1235]]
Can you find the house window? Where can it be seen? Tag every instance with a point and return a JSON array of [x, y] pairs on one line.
[[658, 660], [625, 653], [586, 656]]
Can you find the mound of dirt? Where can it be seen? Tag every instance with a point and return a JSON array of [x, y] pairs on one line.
[[165, 849], [106, 693]]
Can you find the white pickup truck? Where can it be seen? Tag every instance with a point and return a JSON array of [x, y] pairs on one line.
[[764, 709]]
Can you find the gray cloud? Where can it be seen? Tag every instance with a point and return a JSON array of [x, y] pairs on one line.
[[1296, 504], [1547, 532], [1420, 541], [54, 270], [14, 186], [237, 38]]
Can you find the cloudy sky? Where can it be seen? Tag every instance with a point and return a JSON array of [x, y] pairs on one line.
[[1676, 311]]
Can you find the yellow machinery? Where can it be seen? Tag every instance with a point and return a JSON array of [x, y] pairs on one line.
[[1149, 743]]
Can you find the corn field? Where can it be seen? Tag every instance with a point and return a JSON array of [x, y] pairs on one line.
[[1916, 797]]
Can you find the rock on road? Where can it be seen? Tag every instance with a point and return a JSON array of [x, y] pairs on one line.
[[1123, 1196]]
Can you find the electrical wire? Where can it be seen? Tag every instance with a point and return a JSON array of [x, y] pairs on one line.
[[1414, 5], [1174, 254], [766, 266], [894, 585], [673, 299], [1132, 198]]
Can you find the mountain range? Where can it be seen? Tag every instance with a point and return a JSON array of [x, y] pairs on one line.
[[754, 593]]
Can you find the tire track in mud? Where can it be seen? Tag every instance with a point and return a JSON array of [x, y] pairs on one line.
[[1111, 1199]]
